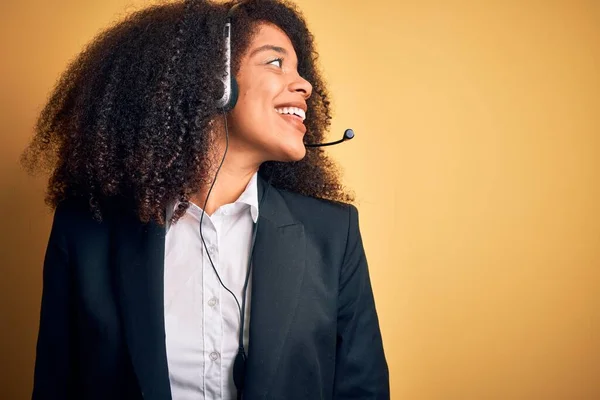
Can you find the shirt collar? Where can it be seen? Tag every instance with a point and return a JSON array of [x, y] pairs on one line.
[[249, 196]]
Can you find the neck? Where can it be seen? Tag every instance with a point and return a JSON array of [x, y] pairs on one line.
[[232, 179]]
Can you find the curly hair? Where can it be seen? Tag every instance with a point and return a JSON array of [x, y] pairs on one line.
[[132, 117]]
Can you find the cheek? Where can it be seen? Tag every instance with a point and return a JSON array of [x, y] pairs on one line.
[[261, 89], [250, 119], [256, 107]]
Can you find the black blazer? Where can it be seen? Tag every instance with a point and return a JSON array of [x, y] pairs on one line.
[[314, 331]]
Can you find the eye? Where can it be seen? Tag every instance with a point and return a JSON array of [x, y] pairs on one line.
[[277, 60]]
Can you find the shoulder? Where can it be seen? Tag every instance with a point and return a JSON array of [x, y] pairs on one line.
[[71, 212], [325, 217], [316, 207], [74, 218], [331, 229]]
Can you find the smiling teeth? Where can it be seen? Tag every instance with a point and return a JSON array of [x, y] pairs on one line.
[[292, 110]]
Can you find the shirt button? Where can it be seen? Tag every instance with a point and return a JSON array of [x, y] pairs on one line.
[[213, 302], [214, 356]]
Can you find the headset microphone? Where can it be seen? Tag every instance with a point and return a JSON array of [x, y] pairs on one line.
[[348, 134]]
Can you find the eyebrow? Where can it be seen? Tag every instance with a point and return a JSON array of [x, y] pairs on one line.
[[267, 47]]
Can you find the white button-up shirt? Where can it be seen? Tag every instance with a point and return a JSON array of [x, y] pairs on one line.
[[202, 319]]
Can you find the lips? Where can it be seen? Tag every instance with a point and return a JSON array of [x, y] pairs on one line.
[[295, 121]]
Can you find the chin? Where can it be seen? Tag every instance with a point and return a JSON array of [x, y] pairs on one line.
[[296, 153]]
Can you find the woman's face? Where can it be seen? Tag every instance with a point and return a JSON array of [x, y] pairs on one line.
[[267, 122]]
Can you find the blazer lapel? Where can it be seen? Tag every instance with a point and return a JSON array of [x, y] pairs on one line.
[[139, 257], [277, 273]]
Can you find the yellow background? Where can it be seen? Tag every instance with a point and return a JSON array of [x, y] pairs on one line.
[[476, 166]]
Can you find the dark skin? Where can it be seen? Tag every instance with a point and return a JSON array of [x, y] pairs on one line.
[[268, 80]]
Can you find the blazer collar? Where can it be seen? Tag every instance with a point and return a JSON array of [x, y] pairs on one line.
[[277, 274], [273, 207]]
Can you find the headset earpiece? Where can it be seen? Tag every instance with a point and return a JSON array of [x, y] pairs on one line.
[[235, 90], [230, 86]]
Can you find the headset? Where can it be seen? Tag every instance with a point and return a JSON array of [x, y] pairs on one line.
[[230, 86], [231, 91]]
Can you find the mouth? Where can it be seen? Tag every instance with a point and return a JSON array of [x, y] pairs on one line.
[[294, 116]]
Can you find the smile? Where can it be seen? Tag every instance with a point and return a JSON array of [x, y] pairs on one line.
[[294, 119], [292, 111]]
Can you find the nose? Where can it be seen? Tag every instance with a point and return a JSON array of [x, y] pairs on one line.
[[301, 85]]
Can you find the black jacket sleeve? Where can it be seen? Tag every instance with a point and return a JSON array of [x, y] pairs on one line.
[[52, 365], [361, 368]]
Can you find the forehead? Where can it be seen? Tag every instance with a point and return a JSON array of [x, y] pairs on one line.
[[270, 34]]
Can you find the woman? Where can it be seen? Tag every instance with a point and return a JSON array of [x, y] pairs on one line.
[[199, 250]]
